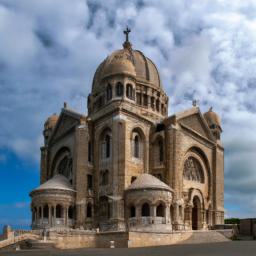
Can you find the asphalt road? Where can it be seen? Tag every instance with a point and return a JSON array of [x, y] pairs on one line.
[[235, 248]]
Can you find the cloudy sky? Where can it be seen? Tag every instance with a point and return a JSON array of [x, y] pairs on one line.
[[49, 50]]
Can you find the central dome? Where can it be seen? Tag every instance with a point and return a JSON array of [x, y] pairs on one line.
[[128, 62]]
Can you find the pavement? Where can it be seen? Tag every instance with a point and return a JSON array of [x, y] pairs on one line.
[[234, 248]]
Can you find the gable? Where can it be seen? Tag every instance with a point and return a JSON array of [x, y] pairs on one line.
[[64, 125], [196, 123]]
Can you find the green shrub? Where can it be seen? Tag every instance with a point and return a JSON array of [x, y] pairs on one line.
[[232, 221]]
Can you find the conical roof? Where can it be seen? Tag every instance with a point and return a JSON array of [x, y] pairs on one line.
[[148, 181], [57, 182]]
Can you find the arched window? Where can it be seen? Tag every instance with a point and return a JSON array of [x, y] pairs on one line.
[[70, 212], [46, 211], [109, 92], [89, 151], [58, 211], [62, 164], [104, 207], [89, 210], [162, 109], [193, 170], [160, 210], [145, 100], [132, 212], [136, 146], [119, 89], [129, 92], [105, 177], [89, 182], [145, 210], [157, 105], [107, 141], [152, 102], [161, 150]]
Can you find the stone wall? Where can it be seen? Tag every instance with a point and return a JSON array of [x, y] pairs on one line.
[[141, 239], [247, 227], [121, 239], [72, 241]]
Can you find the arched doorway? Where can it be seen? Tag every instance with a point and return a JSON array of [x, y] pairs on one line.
[[196, 213]]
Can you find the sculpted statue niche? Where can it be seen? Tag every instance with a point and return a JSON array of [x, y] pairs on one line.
[[193, 170]]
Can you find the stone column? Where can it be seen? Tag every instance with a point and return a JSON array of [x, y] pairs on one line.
[[176, 216], [152, 213], [49, 215], [65, 216], [205, 225], [146, 154], [188, 216], [153, 210], [42, 214], [210, 217], [54, 215], [167, 214], [138, 214], [37, 215]]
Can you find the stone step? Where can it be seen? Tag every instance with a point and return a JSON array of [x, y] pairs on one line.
[[210, 236], [39, 244]]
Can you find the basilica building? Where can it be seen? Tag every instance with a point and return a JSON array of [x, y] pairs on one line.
[[127, 165]]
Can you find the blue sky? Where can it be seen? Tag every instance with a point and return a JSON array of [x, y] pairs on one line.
[[49, 50]]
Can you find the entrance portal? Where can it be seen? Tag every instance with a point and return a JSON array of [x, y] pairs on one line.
[[196, 213]]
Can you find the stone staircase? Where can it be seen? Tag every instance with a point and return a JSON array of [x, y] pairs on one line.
[[207, 236], [39, 244]]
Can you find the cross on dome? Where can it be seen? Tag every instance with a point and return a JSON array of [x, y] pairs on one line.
[[126, 32], [126, 43]]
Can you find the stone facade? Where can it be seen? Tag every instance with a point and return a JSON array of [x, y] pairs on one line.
[[127, 165]]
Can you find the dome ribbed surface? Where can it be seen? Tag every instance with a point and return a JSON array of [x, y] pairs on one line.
[[148, 181], [51, 121], [129, 62], [57, 182], [212, 118]]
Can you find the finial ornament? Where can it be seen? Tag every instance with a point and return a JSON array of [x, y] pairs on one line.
[[126, 32], [126, 43], [210, 109], [195, 103]]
